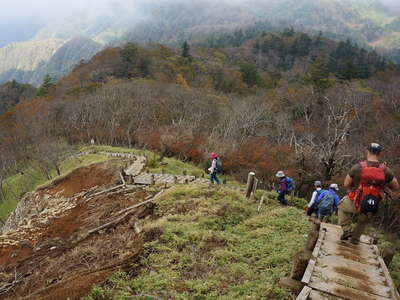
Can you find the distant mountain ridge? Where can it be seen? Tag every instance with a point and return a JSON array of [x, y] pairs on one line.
[[55, 49], [29, 62]]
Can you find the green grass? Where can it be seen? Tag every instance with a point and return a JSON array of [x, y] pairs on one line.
[[16, 186], [214, 245], [168, 165]]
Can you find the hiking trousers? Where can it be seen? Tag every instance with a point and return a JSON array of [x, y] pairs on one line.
[[346, 211], [214, 177], [281, 197]]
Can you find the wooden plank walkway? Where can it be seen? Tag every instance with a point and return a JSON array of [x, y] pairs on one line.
[[146, 178], [135, 170], [342, 270]]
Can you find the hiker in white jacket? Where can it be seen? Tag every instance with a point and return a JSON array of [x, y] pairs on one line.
[[214, 168], [311, 207]]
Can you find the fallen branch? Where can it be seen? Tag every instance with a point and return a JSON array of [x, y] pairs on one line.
[[108, 190], [122, 178], [127, 212], [7, 287], [144, 295]]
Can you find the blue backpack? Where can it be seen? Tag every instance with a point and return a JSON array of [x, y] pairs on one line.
[[218, 166], [290, 184], [325, 205]]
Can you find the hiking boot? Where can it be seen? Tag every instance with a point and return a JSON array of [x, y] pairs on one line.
[[345, 235]]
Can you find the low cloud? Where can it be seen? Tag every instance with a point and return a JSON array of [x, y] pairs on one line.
[[53, 9]]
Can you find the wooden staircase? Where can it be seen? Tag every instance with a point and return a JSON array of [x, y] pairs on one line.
[[342, 270]]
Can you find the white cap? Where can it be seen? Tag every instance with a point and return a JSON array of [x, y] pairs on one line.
[[280, 174], [334, 186]]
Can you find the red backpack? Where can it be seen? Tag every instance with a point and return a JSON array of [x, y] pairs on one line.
[[372, 182]]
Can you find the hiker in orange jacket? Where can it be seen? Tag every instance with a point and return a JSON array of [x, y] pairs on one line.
[[365, 183]]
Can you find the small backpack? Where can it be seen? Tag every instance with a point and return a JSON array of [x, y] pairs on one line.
[[325, 206], [369, 192], [290, 184], [218, 166]]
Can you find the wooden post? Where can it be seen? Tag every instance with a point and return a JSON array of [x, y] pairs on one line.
[[186, 181], [261, 202], [387, 255], [294, 285], [313, 235], [152, 180], [255, 186], [250, 183], [300, 264], [175, 179]]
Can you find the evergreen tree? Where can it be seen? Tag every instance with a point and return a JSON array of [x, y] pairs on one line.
[[318, 40], [186, 51], [288, 32], [45, 87], [318, 75], [249, 74], [349, 72]]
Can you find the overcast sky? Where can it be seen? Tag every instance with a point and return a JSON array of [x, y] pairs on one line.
[[21, 19], [56, 8]]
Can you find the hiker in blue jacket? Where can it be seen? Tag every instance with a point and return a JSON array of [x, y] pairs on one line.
[[286, 186], [327, 202]]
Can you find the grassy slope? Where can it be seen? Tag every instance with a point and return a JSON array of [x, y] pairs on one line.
[[215, 245], [214, 242]]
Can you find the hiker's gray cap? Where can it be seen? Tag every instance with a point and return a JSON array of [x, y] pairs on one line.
[[280, 174], [374, 148], [334, 186], [317, 183]]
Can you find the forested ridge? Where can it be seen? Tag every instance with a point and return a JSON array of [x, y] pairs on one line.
[[283, 100]]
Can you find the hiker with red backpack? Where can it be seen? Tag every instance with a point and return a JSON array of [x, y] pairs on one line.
[[365, 182], [286, 186], [215, 168]]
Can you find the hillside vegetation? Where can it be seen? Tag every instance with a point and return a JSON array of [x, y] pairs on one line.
[[212, 244], [277, 101], [11, 93], [197, 241]]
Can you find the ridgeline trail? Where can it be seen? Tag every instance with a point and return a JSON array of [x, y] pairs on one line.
[[342, 270]]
